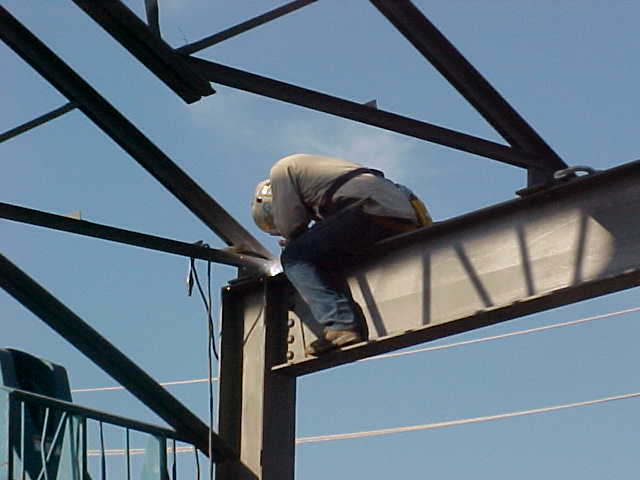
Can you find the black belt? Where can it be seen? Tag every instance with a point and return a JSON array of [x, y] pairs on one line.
[[326, 206]]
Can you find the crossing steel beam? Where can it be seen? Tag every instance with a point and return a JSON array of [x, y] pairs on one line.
[[153, 16], [146, 45], [36, 122], [82, 336], [244, 26], [446, 58], [574, 241], [125, 134], [321, 102], [128, 237]]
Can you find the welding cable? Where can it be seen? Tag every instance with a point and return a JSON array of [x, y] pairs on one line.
[[211, 348], [207, 304], [212, 344], [425, 349], [413, 428]]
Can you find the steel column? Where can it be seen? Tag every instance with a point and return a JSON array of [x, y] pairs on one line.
[[285, 92], [257, 407], [572, 242], [438, 50], [124, 133], [146, 45], [128, 237], [109, 358], [244, 26]]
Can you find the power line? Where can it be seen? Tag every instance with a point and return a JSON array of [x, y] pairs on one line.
[[504, 335], [409, 428], [463, 421], [164, 384], [419, 350]]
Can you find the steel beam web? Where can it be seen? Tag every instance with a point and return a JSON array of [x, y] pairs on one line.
[[244, 26], [569, 243], [81, 335], [125, 134], [128, 237], [36, 122], [438, 50], [267, 87]]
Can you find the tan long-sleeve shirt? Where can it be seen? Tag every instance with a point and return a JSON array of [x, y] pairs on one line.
[[299, 182]]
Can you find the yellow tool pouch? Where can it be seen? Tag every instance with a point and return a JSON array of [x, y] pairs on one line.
[[424, 219]]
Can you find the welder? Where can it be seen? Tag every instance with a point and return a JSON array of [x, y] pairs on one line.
[[328, 209]]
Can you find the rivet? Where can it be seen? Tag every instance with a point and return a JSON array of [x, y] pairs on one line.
[[291, 322], [289, 355], [290, 339]]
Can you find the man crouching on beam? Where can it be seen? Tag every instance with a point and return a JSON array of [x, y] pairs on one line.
[[328, 209]]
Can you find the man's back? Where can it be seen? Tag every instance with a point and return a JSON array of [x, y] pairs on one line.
[[300, 181]]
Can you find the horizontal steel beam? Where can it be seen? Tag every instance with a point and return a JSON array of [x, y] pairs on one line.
[[285, 92], [146, 45], [244, 26], [82, 336], [438, 50], [125, 134], [128, 237], [572, 242], [36, 122]]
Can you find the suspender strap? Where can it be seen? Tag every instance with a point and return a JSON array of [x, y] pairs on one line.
[[325, 204]]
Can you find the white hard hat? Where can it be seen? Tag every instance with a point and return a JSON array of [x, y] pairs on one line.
[[261, 208]]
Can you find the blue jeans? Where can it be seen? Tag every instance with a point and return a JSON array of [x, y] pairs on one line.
[[311, 260]]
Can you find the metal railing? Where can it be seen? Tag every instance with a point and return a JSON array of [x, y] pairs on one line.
[[42, 438]]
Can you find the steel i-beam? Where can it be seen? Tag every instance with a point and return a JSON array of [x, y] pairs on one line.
[[256, 414], [572, 242], [125, 134]]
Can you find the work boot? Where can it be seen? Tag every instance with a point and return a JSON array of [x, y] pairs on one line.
[[333, 339]]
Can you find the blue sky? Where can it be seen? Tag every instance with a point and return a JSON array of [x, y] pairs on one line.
[[568, 66]]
